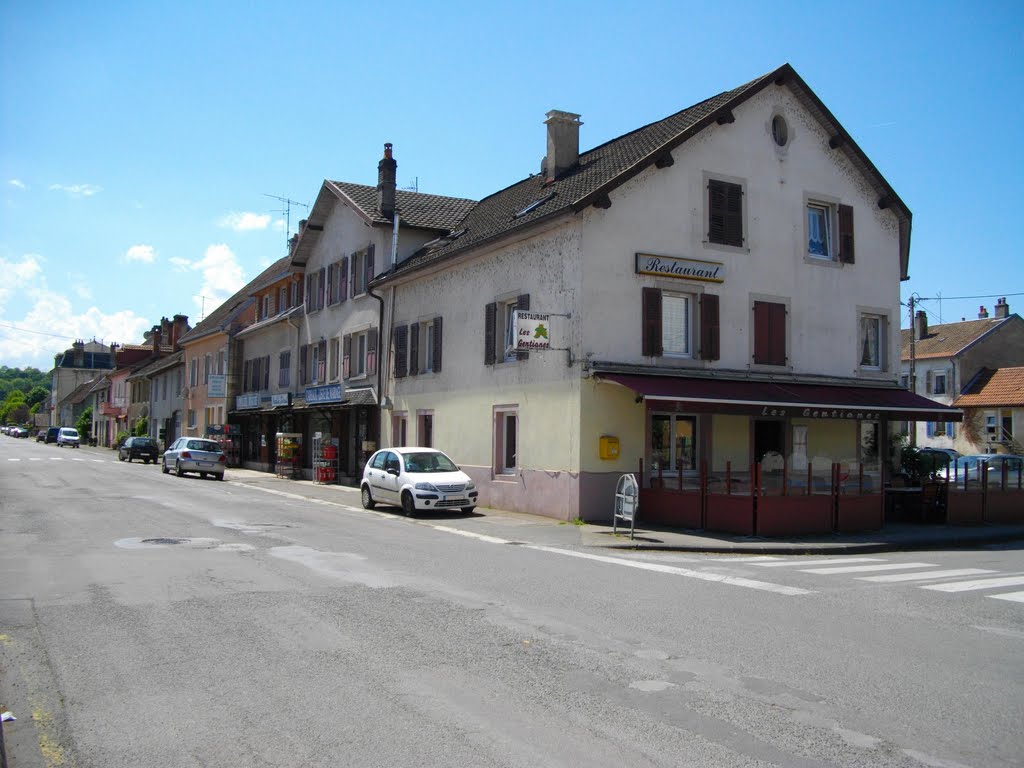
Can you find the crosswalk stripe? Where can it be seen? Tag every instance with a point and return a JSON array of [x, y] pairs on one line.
[[56, 458], [919, 576], [35, 458], [1017, 597], [14, 459], [862, 568], [831, 561], [964, 586], [757, 559]]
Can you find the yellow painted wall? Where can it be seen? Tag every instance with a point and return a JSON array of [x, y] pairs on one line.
[[833, 440], [611, 409], [730, 441]]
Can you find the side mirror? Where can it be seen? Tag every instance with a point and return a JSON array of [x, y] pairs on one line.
[[392, 471]]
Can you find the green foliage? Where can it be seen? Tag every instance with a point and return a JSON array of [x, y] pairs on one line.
[[14, 399], [37, 396], [84, 424], [919, 465], [141, 427], [22, 380], [121, 437]]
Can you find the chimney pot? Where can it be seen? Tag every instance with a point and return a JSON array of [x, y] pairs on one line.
[[982, 313], [920, 324], [563, 143], [386, 185], [1002, 308]]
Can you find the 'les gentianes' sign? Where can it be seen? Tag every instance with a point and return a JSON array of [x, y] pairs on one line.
[[684, 269]]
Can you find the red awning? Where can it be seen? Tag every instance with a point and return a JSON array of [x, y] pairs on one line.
[[765, 398]]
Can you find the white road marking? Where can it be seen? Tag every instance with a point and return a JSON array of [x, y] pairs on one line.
[[1017, 597], [56, 458], [831, 561], [964, 586], [675, 571], [98, 461], [743, 559], [35, 458], [919, 576], [471, 535], [14, 459], [862, 568]]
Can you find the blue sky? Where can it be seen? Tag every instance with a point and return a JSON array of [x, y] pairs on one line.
[[139, 142]]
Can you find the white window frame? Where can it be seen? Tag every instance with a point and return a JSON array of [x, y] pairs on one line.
[[426, 347], [829, 206], [939, 376], [284, 368], [506, 417], [669, 332], [357, 263], [357, 361], [507, 328]]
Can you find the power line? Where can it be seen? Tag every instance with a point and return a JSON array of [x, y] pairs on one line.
[[40, 333], [1000, 295]]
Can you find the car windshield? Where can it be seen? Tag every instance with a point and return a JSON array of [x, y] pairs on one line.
[[142, 442], [428, 462], [71, 433], [203, 445]]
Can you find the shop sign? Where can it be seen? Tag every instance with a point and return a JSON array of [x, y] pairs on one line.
[[820, 413], [281, 399], [223, 429], [216, 386], [247, 401], [329, 393], [533, 330], [684, 269]]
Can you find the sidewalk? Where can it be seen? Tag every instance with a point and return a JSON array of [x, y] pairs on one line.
[[516, 527]]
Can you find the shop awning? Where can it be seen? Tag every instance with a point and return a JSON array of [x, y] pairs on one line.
[[767, 398]]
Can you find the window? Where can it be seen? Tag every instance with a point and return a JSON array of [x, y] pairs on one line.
[[819, 231], [321, 369], [362, 270], [284, 369], [222, 358], [399, 429], [425, 429], [500, 331], [317, 367], [769, 333], [266, 306], [295, 295], [193, 372], [939, 384], [207, 365], [506, 428], [725, 213], [872, 342], [780, 131], [282, 299], [424, 340], [673, 443], [330, 285], [824, 220], [359, 354], [668, 324], [191, 418]]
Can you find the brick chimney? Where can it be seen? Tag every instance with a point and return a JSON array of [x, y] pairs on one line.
[[920, 324], [79, 353], [178, 329], [982, 313], [563, 143], [1002, 309], [157, 337], [386, 185]]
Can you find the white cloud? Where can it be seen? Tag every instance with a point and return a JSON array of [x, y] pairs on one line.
[[77, 190], [246, 221], [18, 275], [80, 285], [278, 225], [222, 276], [143, 253], [17, 183], [180, 264]]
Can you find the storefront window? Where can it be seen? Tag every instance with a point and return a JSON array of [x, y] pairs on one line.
[[673, 444]]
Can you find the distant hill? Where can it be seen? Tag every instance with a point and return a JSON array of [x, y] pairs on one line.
[[24, 379]]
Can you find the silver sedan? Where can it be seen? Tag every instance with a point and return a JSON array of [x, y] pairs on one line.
[[194, 454]]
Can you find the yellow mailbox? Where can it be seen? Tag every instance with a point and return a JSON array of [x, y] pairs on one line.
[[609, 447]]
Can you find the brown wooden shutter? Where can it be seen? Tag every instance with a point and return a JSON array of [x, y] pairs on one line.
[[299, 297], [344, 278], [846, 252], [371, 352], [370, 270], [321, 287], [928, 383], [414, 349], [401, 338], [769, 333], [651, 331], [709, 327], [523, 304], [266, 372], [309, 293], [490, 329], [330, 284], [303, 363], [346, 355], [725, 213], [437, 344]]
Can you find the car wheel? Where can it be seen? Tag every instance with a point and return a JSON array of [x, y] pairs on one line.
[[178, 470], [129, 458], [368, 502], [165, 468], [220, 476], [202, 475], [408, 505], [120, 457], [468, 510]]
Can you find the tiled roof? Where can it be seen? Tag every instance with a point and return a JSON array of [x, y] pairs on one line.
[[603, 168], [155, 366], [994, 388], [947, 339], [415, 209], [220, 318]]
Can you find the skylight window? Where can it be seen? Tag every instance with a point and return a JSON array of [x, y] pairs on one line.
[[534, 205]]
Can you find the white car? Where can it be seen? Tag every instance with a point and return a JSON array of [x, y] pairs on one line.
[[416, 479], [67, 436], [969, 467]]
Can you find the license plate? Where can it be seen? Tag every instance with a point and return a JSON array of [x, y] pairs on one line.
[[205, 463]]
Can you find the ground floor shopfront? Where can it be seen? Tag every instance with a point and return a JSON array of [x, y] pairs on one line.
[[751, 457], [325, 436]]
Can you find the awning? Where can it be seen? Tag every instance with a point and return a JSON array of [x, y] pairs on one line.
[[765, 398]]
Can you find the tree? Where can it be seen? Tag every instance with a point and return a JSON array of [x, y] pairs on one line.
[[37, 395], [13, 400], [84, 424], [141, 427]]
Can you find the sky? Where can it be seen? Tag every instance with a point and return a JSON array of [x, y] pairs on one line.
[[148, 151]]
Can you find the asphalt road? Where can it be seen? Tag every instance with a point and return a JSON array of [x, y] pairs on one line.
[[162, 621]]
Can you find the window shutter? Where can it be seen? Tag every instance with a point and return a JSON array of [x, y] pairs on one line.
[[401, 336], [370, 270], [298, 291], [950, 386], [929, 428], [846, 234], [346, 355], [928, 383], [523, 304], [414, 349], [651, 332], [769, 333], [725, 213], [371, 352], [266, 372], [330, 283], [778, 321], [344, 279], [709, 327], [309, 293], [437, 344], [321, 286], [490, 328], [352, 277]]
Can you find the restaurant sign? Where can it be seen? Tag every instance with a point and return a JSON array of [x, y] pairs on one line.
[[329, 393], [533, 330], [683, 269], [243, 402]]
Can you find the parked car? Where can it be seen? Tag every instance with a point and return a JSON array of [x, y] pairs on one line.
[[67, 436], [970, 467], [194, 454], [51, 434], [144, 448], [416, 479], [17, 432]]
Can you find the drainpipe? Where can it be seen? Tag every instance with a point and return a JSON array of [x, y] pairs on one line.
[[381, 346]]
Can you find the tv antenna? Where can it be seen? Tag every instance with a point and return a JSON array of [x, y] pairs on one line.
[[202, 304], [415, 186], [288, 214]]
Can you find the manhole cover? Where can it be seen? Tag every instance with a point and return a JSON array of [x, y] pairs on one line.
[[165, 541]]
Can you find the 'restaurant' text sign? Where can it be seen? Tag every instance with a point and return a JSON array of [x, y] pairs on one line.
[[684, 269]]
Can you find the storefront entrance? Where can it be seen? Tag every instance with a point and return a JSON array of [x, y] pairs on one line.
[[769, 437]]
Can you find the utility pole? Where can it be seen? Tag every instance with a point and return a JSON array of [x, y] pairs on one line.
[[913, 366]]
